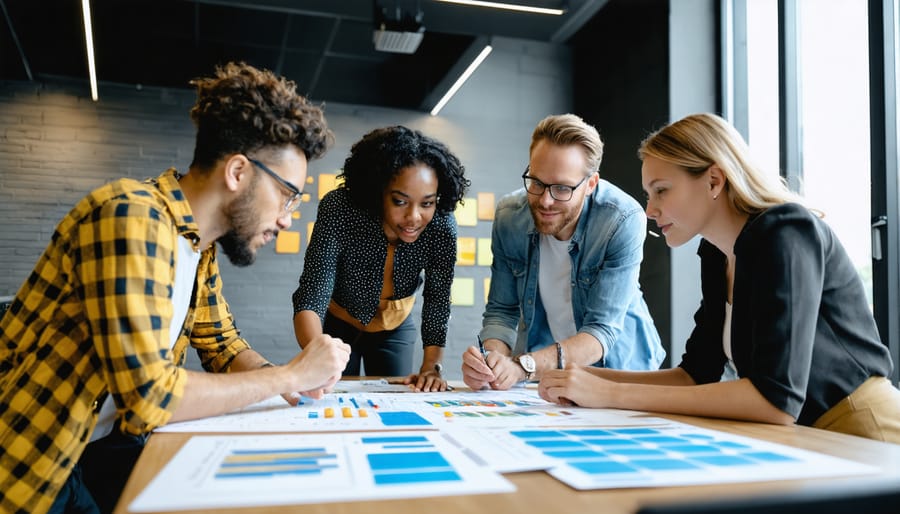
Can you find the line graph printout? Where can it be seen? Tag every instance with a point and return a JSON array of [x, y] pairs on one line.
[[404, 411], [672, 455], [258, 470]]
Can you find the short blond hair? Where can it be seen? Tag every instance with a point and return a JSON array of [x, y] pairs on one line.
[[569, 129]]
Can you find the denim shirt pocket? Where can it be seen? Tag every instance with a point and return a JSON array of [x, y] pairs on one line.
[[519, 270], [587, 278]]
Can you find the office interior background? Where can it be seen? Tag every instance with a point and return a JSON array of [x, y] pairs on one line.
[[812, 85]]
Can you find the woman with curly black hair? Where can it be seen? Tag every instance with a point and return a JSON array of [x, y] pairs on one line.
[[390, 220]]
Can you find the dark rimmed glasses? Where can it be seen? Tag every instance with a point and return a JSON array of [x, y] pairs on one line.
[[296, 195], [559, 192]]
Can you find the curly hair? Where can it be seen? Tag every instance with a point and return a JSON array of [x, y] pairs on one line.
[[379, 156], [242, 109]]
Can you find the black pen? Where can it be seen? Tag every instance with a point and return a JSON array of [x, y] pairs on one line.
[[482, 350]]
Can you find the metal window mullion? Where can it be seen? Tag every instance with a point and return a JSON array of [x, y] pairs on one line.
[[789, 88], [884, 63]]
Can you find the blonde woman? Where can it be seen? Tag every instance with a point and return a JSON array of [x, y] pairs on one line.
[[782, 302]]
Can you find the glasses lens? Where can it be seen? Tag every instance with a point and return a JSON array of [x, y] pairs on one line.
[[533, 186], [293, 202], [560, 192]]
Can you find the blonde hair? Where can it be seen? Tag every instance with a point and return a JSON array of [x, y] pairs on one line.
[[569, 129], [699, 141]]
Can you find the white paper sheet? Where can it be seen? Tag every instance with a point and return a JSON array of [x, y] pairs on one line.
[[403, 411], [671, 455], [258, 470]]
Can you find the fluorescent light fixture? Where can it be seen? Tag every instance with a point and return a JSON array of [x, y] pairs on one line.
[[89, 41], [461, 80], [510, 7]]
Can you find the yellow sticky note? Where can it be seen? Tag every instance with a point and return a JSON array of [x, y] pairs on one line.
[[466, 213], [327, 182], [465, 251], [309, 230], [487, 289], [287, 242], [486, 206], [485, 256], [462, 292]]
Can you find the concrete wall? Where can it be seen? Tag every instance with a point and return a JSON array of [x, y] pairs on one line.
[[56, 145], [622, 87]]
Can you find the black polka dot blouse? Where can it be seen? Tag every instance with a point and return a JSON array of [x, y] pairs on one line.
[[345, 261]]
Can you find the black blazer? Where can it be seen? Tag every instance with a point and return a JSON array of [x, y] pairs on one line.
[[801, 329]]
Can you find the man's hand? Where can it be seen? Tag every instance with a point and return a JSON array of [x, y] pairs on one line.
[[496, 371], [477, 374], [507, 372], [315, 370]]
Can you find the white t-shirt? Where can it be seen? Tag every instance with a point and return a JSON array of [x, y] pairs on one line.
[[555, 286], [185, 275]]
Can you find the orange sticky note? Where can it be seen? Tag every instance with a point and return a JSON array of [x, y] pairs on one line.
[[486, 206], [287, 242]]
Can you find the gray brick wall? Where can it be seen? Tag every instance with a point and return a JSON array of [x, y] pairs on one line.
[[56, 145]]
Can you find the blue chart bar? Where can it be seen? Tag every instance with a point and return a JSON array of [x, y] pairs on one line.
[[411, 467], [402, 418], [644, 450], [275, 461], [395, 439]]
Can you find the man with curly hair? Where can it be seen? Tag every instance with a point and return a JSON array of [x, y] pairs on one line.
[[93, 346], [390, 221]]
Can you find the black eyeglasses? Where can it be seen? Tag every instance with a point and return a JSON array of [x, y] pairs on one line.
[[296, 195], [559, 192]]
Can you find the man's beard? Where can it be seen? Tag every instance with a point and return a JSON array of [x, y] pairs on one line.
[[243, 217], [550, 229]]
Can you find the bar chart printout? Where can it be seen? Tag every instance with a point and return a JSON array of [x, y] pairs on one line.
[[671, 455], [260, 470]]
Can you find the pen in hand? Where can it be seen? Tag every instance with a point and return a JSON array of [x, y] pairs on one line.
[[482, 350]]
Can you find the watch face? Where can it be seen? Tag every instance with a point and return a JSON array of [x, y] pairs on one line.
[[527, 362]]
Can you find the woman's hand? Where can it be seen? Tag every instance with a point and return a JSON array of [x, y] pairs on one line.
[[426, 381], [576, 385]]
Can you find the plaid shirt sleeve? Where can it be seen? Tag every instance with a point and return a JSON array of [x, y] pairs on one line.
[[124, 260], [214, 334]]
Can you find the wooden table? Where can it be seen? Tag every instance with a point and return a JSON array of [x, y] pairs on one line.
[[539, 492]]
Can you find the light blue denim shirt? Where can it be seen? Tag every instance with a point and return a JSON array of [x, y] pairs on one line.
[[606, 251]]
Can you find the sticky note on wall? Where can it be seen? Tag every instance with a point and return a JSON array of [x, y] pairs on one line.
[[466, 213], [486, 206], [465, 251], [485, 256], [287, 242], [462, 291]]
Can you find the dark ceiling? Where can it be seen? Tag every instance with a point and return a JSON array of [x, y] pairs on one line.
[[325, 46]]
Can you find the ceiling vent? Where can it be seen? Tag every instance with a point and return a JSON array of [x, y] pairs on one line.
[[397, 30]]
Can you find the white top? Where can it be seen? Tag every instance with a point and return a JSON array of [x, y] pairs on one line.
[[730, 372], [185, 275], [555, 286]]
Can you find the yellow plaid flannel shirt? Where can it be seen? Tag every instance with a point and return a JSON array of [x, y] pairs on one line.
[[94, 317]]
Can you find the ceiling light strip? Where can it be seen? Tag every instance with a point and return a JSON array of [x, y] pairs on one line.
[[89, 41], [461, 80], [509, 7]]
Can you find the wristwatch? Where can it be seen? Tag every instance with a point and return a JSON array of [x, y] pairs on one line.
[[527, 362]]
